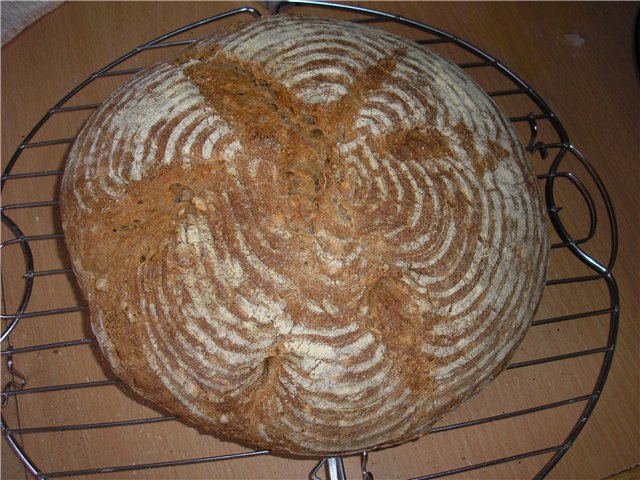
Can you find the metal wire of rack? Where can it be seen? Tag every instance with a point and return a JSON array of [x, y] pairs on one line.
[[555, 154]]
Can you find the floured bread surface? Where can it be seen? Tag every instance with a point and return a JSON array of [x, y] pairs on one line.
[[305, 235]]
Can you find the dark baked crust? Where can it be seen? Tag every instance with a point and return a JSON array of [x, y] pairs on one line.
[[305, 235]]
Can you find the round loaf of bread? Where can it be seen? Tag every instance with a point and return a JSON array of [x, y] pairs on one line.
[[305, 235]]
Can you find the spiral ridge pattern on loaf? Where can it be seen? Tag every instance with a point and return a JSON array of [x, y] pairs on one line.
[[305, 235]]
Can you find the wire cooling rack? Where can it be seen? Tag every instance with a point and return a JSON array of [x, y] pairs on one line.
[[560, 167]]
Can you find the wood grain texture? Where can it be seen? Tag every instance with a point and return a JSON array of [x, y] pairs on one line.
[[630, 474], [591, 85]]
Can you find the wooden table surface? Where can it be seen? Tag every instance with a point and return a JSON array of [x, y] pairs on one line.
[[578, 56]]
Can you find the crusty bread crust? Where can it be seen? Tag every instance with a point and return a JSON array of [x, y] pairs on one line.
[[305, 235]]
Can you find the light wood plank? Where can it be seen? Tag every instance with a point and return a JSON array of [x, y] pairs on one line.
[[593, 88]]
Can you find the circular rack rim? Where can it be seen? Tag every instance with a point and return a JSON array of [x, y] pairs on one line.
[[334, 466]]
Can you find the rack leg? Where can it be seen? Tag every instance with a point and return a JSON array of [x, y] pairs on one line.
[[335, 468]]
